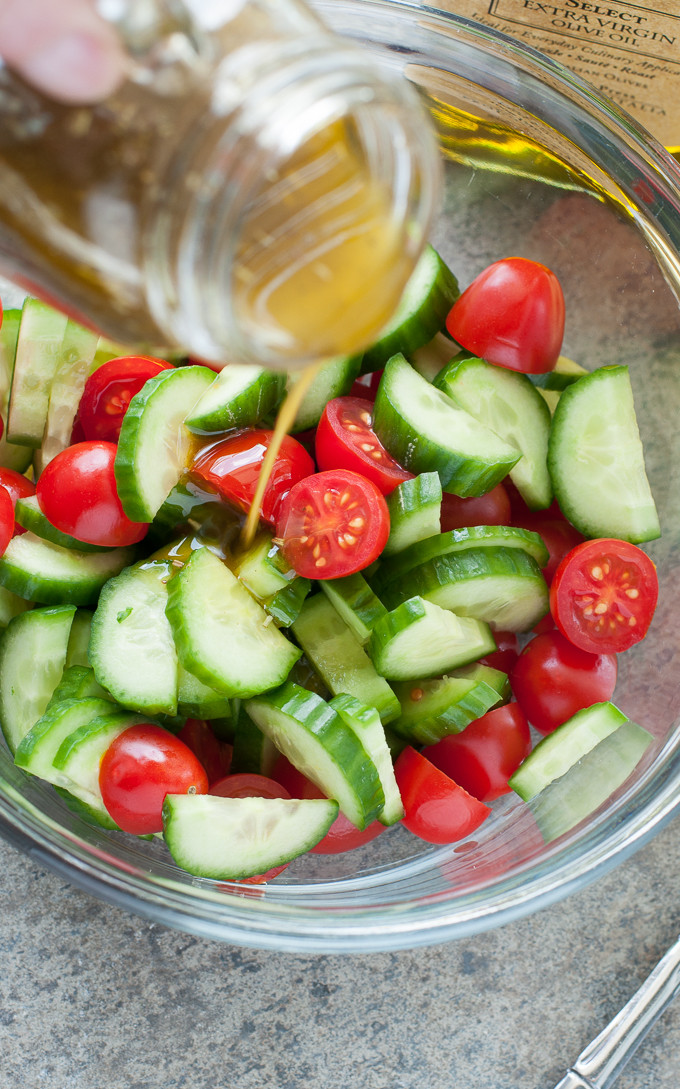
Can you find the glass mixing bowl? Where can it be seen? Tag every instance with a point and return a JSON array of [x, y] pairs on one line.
[[536, 164]]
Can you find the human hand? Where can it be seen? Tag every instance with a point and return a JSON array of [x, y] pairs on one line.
[[62, 47]]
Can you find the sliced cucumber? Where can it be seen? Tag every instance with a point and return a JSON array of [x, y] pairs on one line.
[[420, 639], [77, 682], [434, 355], [132, 650], [240, 395], [415, 512], [12, 455], [262, 569], [223, 636], [79, 756], [429, 295], [37, 356], [578, 793], [356, 603], [285, 605], [560, 750], [562, 375], [32, 657], [334, 379], [79, 639], [39, 747], [41, 571], [508, 404], [428, 432], [339, 659], [29, 515], [319, 744], [11, 605], [366, 724], [197, 700], [502, 586], [596, 459], [233, 838], [254, 752], [432, 709], [155, 446], [396, 568], [74, 362]]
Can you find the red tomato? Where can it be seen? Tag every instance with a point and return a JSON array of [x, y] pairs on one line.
[[248, 785], [512, 314], [139, 768], [6, 519], [18, 487], [604, 594], [232, 467], [553, 679], [482, 758], [214, 755], [333, 524], [436, 808], [506, 653], [342, 834], [345, 439], [366, 385], [77, 492], [109, 390], [492, 509]]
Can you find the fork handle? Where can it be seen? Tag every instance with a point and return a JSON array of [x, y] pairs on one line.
[[602, 1061]]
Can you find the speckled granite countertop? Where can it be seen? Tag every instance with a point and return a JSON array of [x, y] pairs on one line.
[[93, 998]]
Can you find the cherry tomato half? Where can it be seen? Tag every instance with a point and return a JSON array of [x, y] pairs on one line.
[[604, 594], [482, 758], [342, 834], [232, 467], [345, 439], [6, 519], [492, 509], [18, 487], [214, 755], [553, 679], [333, 524], [139, 768], [77, 492], [512, 314], [109, 390], [506, 653], [436, 808]]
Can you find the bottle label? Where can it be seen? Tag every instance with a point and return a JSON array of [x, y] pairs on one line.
[[630, 52]]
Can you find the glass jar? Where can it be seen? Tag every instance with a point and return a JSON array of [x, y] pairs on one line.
[[257, 190]]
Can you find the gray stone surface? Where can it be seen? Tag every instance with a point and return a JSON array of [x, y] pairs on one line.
[[91, 997]]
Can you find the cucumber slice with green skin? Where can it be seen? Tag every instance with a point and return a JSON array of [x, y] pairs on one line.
[[419, 639], [79, 639], [334, 379], [257, 568], [37, 356], [29, 515], [569, 800], [41, 571], [77, 683], [79, 755], [432, 357], [366, 724], [562, 375], [32, 657], [339, 659], [458, 540], [429, 295], [415, 511], [155, 446], [233, 838], [433, 709], [320, 745], [12, 456], [560, 750], [502, 586], [39, 747], [508, 404], [428, 432], [132, 650], [11, 605], [87, 813], [495, 678], [197, 700], [240, 395], [76, 354], [254, 752], [285, 606], [222, 635], [354, 600], [596, 460]]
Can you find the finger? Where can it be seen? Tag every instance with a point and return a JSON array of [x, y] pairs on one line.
[[64, 48]]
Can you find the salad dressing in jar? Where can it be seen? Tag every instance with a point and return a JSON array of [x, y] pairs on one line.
[[257, 190]]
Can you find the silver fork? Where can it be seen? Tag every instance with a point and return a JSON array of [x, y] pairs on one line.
[[602, 1061]]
